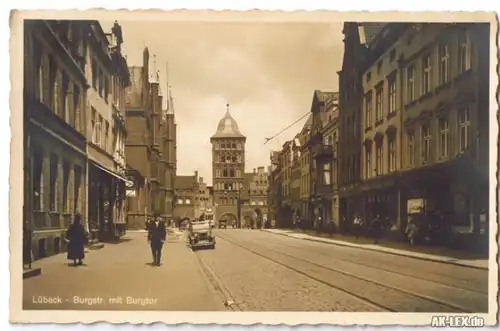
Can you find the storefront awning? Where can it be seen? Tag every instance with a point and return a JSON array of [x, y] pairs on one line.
[[127, 182]]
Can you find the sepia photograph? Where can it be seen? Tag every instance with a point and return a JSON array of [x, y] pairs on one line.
[[233, 164]]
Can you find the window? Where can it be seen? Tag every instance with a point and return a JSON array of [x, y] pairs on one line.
[[106, 136], [464, 128], [100, 82], [37, 179], [327, 174], [179, 201], [57, 94], [222, 158], [444, 138], [76, 122], [334, 172], [368, 109], [368, 154], [238, 173], [53, 182], [379, 103], [444, 64], [426, 74], [233, 158], [65, 193], [464, 51], [65, 92], [94, 74], [392, 154], [368, 77], [239, 146], [77, 173], [426, 143], [392, 55], [225, 173], [231, 172], [379, 154], [233, 145], [392, 94], [239, 158], [379, 67], [106, 88], [410, 141], [410, 84], [223, 145]]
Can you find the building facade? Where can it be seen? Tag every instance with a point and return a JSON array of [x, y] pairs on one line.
[[107, 72], [55, 168], [150, 146], [321, 150], [186, 192], [437, 129], [305, 166], [228, 168], [285, 214], [274, 189], [357, 37]]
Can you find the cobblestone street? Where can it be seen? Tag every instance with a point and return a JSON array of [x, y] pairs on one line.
[[256, 271]]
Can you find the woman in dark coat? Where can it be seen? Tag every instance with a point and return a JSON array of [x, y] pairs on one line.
[[76, 238]]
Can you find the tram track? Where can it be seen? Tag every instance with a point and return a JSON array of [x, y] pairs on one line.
[[395, 299], [389, 270]]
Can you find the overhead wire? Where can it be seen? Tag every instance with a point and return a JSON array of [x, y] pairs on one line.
[[286, 128]]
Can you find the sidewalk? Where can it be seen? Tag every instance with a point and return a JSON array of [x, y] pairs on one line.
[[122, 276], [430, 253]]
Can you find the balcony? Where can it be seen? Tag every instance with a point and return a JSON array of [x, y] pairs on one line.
[[323, 151]]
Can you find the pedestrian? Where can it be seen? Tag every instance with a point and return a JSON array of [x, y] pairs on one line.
[[76, 237], [156, 236], [376, 226], [358, 224]]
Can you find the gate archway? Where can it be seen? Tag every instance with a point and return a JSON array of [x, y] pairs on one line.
[[229, 218]]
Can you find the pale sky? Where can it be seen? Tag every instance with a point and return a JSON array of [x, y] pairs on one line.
[[267, 72]]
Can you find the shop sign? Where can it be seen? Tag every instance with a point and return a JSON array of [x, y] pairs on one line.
[[415, 206]]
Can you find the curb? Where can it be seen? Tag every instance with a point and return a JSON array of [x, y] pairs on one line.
[[386, 252], [32, 273]]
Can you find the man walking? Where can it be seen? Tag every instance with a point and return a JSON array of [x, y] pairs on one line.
[[156, 237]]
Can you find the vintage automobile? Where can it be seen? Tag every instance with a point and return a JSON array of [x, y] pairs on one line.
[[200, 234]]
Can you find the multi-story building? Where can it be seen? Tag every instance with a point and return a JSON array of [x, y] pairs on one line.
[[332, 130], [54, 132], [228, 168], [305, 181], [296, 175], [258, 191], [150, 146], [107, 72], [202, 199], [441, 110], [321, 150], [381, 132], [186, 192], [169, 157], [274, 189], [285, 213], [357, 37]]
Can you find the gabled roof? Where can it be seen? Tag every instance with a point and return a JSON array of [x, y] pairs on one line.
[[184, 182]]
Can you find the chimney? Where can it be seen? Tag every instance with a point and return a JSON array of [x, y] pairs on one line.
[[261, 170], [196, 176], [201, 180], [254, 170]]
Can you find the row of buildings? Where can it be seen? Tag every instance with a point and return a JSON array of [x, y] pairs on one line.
[[408, 130], [97, 140]]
